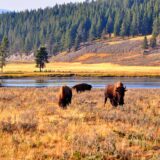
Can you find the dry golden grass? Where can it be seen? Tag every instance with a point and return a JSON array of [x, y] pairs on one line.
[[101, 69], [122, 40], [140, 38], [32, 126], [91, 55]]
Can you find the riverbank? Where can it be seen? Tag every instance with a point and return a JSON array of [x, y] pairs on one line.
[[21, 70], [32, 126]]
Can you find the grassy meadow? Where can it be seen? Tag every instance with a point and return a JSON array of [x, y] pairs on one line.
[[79, 69], [32, 126]]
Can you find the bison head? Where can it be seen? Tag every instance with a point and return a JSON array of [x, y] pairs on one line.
[[120, 92]]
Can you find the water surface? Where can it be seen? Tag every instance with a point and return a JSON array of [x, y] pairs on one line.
[[136, 82]]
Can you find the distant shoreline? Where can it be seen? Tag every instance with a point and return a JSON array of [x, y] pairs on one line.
[[45, 74]]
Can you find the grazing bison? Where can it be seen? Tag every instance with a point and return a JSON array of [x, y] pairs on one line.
[[65, 96], [82, 87], [115, 93]]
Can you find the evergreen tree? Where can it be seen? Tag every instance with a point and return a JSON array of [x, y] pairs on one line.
[[123, 29], [134, 26], [145, 25], [77, 43], [92, 33], [3, 52], [2, 58], [117, 25], [98, 28], [68, 40], [41, 57], [127, 22], [145, 43], [156, 30], [109, 26], [153, 41]]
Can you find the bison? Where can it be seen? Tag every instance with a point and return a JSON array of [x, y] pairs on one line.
[[65, 96], [115, 93], [82, 87]]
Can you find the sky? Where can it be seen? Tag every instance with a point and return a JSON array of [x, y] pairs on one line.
[[21, 5]]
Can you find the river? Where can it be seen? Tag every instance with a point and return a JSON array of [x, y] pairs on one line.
[[101, 82]]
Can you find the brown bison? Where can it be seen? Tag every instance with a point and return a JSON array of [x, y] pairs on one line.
[[115, 93], [65, 96], [82, 87]]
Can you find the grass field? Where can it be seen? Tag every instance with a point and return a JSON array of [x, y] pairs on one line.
[[68, 69], [121, 40], [32, 126]]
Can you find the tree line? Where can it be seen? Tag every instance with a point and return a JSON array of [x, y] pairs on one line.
[[41, 55], [152, 44], [4, 45], [66, 27]]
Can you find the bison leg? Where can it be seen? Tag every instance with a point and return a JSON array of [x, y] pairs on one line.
[[105, 100], [63, 103], [68, 101], [113, 102]]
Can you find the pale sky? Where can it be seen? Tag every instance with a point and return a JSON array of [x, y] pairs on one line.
[[20, 5]]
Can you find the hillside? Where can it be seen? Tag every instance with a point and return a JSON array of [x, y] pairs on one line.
[[66, 27], [116, 50], [127, 51]]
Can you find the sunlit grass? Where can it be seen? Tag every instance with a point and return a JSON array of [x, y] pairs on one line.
[[122, 40], [62, 69], [32, 126], [91, 55]]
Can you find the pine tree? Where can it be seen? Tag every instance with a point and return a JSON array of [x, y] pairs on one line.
[[134, 26], [99, 28], [109, 26], [123, 29], [145, 25], [92, 33], [153, 41], [156, 24], [127, 22], [2, 58], [145, 43], [3, 52], [41, 57], [77, 42], [68, 40], [117, 25]]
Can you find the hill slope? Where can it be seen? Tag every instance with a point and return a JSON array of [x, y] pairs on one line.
[[126, 51], [118, 51]]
